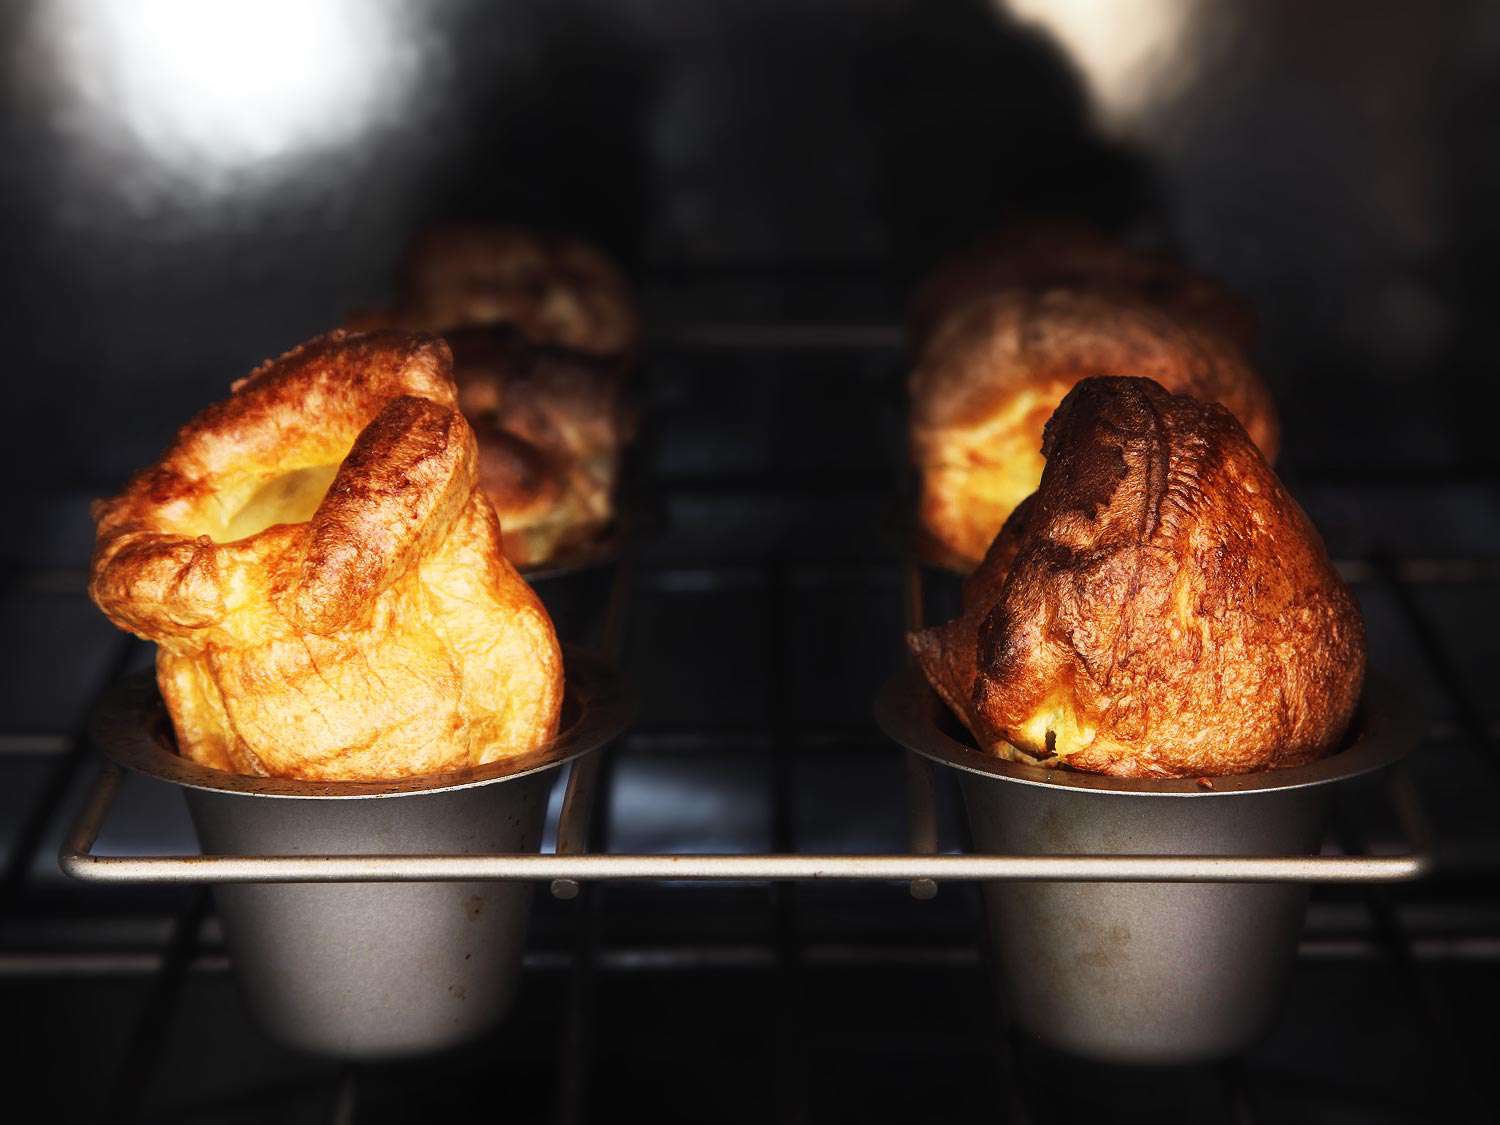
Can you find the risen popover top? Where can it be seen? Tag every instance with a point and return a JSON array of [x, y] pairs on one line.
[[553, 288], [1050, 254], [988, 379], [324, 579], [1159, 608]]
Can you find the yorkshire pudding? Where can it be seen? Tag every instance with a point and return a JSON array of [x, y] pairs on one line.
[[1058, 253], [324, 579], [1160, 607], [554, 289], [552, 425], [988, 379]]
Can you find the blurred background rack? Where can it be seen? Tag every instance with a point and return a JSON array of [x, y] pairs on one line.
[[176, 207]]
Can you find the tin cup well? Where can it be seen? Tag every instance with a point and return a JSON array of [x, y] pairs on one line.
[[1154, 973], [379, 969]]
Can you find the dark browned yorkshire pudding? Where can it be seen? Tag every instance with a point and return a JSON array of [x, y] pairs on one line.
[[554, 289], [1160, 607], [324, 579], [1058, 253], [988, 379], [552, 426]]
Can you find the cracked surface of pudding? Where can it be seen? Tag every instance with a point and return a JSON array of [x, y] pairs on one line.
[[324, 579], [1159, 607]]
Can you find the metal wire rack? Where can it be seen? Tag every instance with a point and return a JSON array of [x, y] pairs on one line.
[[580, 862], [571, 864]]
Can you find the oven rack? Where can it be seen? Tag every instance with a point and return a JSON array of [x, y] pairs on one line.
[[185, 946]]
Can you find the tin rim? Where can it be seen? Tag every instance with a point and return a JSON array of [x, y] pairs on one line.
[[1384, 730], [130, 724]]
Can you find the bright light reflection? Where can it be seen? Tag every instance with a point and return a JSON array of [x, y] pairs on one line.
[[1133, 54], [210, 87]]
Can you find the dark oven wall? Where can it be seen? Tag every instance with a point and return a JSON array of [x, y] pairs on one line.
[[175, 208]]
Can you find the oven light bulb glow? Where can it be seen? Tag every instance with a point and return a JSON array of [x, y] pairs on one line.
[[209, 88]]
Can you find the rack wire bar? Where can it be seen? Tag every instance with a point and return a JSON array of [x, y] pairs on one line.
[[921, 778], [575, 822], [39, 817], [1471, 720], [1420, 997], [576, 817], [148, 1044], [921, 799], [583, 825], [91, 964], [77, 860], [791, 1081]]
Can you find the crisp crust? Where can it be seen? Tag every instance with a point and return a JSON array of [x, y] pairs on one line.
[[554, 289], [552, 426], [1161, 607], [990, 376], [324, 579], [1046, 254]]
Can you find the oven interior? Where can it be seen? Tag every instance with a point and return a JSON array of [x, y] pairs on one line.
[[189, 192]]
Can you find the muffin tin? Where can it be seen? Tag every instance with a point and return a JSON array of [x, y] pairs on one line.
[[1101, 952], [394, 960], [1182, 903]]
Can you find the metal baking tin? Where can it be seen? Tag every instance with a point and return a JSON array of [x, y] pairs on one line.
[[1150, 972], [371, 970]]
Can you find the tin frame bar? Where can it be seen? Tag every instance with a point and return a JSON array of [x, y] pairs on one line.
[[78, 860]]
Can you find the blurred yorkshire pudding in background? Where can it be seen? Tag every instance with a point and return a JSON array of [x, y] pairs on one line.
[[1061, 253], [325, 580], [1161, 607], [554, 289], [987, 380], [552, 426], [544, 332]]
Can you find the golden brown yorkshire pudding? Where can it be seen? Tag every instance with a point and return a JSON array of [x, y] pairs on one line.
[[554, 289], [1159, 608], [552, 426], [987, 381], [325, 581], [1066, 254]]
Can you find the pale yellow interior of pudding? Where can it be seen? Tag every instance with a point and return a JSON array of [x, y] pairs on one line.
[[1003, 487], [1054, 727], [247, 508], [999, 463], [1001, 458]]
